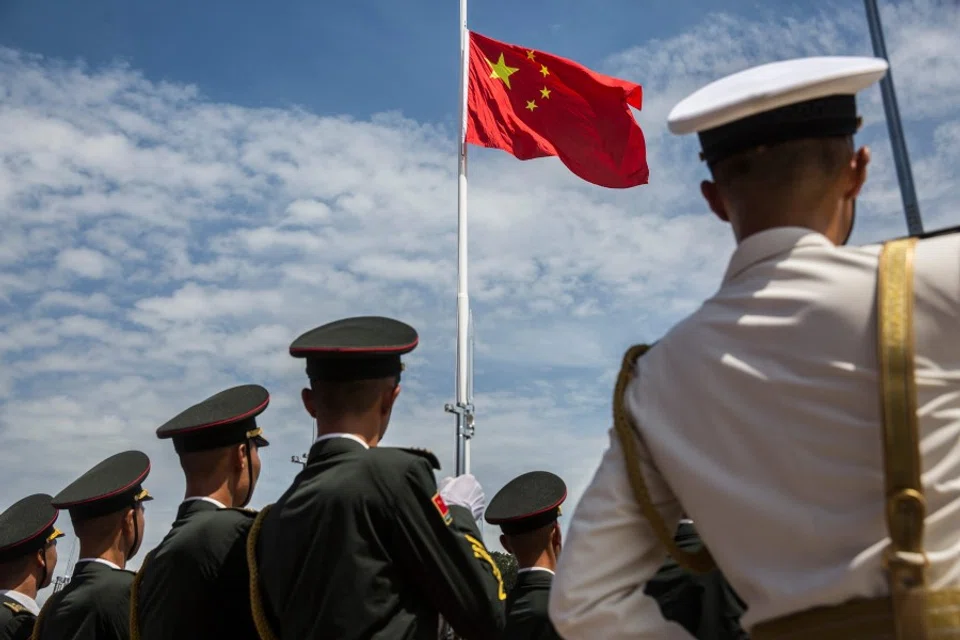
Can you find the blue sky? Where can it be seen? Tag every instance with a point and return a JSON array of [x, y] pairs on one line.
[[187, 187], [358, 57]]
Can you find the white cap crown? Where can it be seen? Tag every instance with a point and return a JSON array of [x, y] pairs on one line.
[[771, 86]]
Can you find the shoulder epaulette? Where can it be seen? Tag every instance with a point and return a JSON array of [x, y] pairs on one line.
[[423, 453], [13, 606]]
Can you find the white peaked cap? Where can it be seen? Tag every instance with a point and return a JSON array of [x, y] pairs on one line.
[[771, 86]]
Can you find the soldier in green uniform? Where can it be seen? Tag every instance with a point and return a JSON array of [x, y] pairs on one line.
[[362, 544], [28, 558], [703, 603], [195, 584], [106, 509], [526, 510]]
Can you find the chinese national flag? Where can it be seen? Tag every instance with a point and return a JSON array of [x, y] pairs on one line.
[[532, 104]]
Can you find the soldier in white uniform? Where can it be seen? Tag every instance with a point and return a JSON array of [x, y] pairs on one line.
[[762, 415]]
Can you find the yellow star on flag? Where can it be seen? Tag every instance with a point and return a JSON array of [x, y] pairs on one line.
[[543, 70], [530, 55], [502, 71], [545, 92], [531, 105]]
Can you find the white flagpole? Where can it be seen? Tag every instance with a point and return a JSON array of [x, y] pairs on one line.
[[463, 408], [471, 336]]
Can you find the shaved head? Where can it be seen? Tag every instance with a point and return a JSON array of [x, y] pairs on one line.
[[336, 400], [796, 169]]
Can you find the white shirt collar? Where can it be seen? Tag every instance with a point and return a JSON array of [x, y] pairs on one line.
[[349, 436], [219, 504], [771, 242], [100, 560], [526, 569], [28, 603]]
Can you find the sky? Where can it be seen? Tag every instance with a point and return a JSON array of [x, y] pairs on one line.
[[187, 187]]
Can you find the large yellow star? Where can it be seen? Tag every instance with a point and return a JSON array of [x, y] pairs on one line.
[[502, 71]]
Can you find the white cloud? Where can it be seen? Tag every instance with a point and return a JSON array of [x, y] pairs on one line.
[[69, 300], [304, 213], [85, 263], [158, 247]]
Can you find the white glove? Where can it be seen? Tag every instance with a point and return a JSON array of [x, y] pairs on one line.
[[464, 491]]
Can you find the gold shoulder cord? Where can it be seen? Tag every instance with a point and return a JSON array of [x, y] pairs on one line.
[[905, 560], [134, 598], [256, 598], [480, 552], [699, 562], [35, 635]]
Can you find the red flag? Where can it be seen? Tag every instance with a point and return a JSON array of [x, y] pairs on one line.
[[533, 104]]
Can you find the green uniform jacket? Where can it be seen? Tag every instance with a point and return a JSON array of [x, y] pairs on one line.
[[527, 608], [362, 547], [195, 584], [95, 605], [16, 623], [705, 605]]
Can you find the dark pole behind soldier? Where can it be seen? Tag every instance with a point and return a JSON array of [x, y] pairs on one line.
[[526, 509], [363, 545], [200, 566], [106, 506], [704, 603], [28, 558]]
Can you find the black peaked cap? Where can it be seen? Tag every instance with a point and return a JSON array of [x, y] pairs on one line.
[[223, 419], [361, 348], [27, 526], [112, 485], [527, 502]]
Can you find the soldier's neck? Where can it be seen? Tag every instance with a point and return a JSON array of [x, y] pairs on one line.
[[545, 560], [27, 586], [205, 488], [821, 217], [109, 552], [363, 427]]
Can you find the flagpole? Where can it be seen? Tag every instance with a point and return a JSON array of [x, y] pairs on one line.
[[463, 409], [901, 159]]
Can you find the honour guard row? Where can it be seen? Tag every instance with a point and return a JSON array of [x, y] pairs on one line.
[[806, 418]]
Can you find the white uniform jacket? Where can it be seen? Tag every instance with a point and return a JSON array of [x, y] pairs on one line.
[[760, 414]]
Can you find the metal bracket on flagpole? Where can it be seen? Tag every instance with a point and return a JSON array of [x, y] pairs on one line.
[[465, 415], [300, 460], [465, 430]]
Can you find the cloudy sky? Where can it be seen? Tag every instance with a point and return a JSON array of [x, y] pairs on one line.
[[186, 187]]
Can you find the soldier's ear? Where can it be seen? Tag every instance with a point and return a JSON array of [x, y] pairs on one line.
[[858, 171], [129, 521], [240, 457], [388, 399], [306, 396], [711, 194]]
